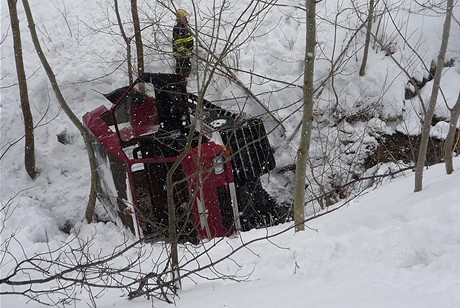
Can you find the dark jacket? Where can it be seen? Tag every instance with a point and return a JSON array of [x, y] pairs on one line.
[[182, 41]]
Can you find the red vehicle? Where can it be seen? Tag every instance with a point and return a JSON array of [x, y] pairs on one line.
[[213, 166]]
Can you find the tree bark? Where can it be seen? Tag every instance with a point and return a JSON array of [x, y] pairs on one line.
[[434, 96], [307, 119], [29, 149], [448, 145], [362, 70], [127, 42], [73, 118], [138, 38]]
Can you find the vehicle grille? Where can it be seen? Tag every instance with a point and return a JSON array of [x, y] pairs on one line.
[[225, 205]]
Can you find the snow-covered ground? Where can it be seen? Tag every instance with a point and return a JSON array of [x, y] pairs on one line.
[[388, 248]]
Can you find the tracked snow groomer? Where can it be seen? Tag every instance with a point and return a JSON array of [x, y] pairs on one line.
[[152, 160]]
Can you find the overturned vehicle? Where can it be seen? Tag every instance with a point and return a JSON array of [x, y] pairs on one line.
[[163, 153]]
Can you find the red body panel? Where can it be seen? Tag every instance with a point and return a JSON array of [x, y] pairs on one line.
[[144, 118], [107, 137], [199, 168]]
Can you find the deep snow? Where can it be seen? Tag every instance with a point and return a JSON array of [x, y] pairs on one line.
[[388, 248]]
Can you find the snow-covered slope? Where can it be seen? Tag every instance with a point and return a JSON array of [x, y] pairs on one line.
[[388, 248]]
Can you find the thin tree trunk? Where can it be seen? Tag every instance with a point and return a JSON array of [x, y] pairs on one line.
[[434, 96], [57, 91], [370, 15], [449, 144], [172, 222], [127, 42], [29, 149], [138, 37], [307, 119]]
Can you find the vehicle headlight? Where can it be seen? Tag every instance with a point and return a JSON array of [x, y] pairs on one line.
[[218, 163]]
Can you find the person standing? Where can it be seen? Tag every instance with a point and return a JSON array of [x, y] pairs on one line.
[[182, 44]]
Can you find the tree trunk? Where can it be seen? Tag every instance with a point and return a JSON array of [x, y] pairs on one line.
[[307, 119], [434, 96], [172, 222], [127, 42], [449, 144], [138, 37], [57, 91], [29, 149], [370, 15]]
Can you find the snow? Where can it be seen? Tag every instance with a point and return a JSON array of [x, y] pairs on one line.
[[389, 247]]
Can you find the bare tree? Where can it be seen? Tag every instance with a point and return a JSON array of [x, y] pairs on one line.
[[449, 144], [127, 41], [29, 150], [370, 15], [73, 118], [307, 119], [434, 96], [138, 38]]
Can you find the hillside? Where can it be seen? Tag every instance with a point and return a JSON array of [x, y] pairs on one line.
[[388, 247]]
